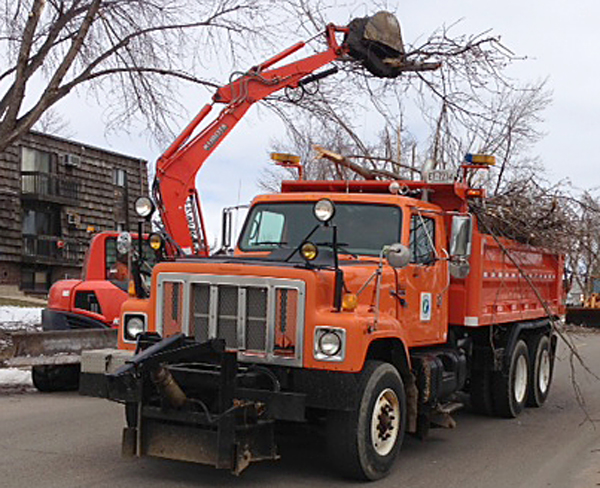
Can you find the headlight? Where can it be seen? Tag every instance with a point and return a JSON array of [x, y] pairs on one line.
[[134, 326], [144, 207], [324, 210], [330, 344]]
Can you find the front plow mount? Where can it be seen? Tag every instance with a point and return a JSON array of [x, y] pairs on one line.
[[193, 402]]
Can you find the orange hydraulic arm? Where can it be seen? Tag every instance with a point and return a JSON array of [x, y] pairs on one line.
[[174, 185]]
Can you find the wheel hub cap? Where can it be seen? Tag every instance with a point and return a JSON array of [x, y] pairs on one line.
[[520, 387], [544, 378], [385, 422]]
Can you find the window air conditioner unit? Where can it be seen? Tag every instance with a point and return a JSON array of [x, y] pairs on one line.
[[72, 160], [73, 219]]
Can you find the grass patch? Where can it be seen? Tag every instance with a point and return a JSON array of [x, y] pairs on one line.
[[17, 302]]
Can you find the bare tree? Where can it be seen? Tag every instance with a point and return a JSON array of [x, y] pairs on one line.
[[128, 52], [470, 104]]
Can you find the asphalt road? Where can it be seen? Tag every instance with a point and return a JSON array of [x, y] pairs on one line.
[[63, 441]]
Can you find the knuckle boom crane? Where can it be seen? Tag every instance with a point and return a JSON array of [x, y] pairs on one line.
[[174, 187]]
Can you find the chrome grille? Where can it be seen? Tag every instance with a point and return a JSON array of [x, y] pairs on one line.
[[227, 314], [199, 316], [260, 317], [256, 319]]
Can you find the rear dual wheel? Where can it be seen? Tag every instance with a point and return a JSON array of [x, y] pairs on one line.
[[510, 387], [540, 372], [525, 382]]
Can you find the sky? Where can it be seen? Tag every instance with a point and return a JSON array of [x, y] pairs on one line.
[[558, 38]]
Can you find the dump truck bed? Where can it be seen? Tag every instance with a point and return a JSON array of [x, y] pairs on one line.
[[496, 290]]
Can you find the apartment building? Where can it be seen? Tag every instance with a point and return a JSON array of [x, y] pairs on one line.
[[54, 195]]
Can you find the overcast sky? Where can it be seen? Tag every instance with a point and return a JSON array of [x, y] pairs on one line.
[[559, 38]]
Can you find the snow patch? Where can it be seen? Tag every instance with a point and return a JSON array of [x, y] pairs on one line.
[[15, 377], [14, 318]]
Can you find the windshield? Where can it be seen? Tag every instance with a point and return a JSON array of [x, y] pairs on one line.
[[362, 228], [117, 265]]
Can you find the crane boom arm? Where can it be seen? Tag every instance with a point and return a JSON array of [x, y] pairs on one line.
[[174, 185]]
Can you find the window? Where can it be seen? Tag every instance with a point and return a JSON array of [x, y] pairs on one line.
[[119, 177], [268, 228], [422, 239], [117, 265], [41, 221], [35, 279], [37, 168], [362, 228], [38, 161]]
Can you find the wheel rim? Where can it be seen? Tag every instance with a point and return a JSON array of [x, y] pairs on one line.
[[385, 422], [520, 387], [544, 374]]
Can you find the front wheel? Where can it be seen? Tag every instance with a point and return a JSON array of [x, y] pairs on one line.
[[364, 443]]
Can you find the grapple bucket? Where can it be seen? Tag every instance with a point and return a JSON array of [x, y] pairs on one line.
[[376, 42], [374, 39]]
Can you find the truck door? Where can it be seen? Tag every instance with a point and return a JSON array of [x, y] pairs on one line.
[[425, 280]]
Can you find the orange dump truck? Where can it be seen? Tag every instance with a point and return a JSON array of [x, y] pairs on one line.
[[365, 305]]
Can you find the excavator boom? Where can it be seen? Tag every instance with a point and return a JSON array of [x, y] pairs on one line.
[[174, 186]]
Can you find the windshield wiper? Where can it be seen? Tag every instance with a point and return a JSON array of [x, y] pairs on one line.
[[270, 243], [340, 246]]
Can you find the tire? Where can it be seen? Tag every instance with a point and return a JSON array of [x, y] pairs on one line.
[[363, 444], [481, 392], [510, 387], [48, 379], [541, 369]]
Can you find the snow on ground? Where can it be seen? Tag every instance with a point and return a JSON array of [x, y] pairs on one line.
[[13, 318], [15, 377]]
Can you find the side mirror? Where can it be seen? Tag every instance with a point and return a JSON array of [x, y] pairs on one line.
[[461, 237], [398, 255]]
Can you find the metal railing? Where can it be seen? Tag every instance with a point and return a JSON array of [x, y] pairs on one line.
[[52, 247], [49, 185]]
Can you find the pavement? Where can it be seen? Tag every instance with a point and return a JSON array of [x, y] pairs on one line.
[[65, 441]]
